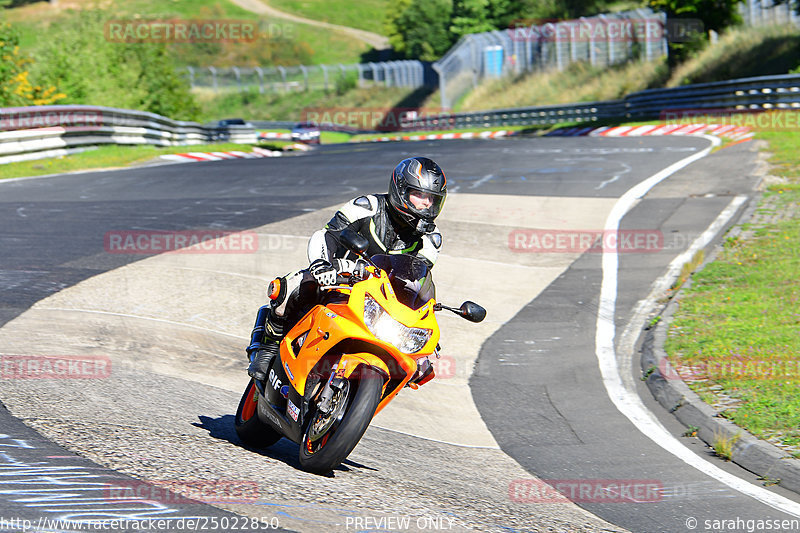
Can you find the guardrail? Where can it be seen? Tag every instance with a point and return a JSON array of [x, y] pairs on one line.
[[46, 131]]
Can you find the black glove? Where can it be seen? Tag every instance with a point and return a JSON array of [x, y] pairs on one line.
[[323, 272]]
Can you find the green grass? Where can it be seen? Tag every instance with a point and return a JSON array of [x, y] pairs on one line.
[[579, 82], [740, 319], [112, 157], [283, 43], [742, 53], [364, 14]]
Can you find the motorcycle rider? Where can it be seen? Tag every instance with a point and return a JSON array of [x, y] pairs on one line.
[[399, 222]]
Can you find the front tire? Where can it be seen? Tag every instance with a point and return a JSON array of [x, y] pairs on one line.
[[327, 451], [251, 430]]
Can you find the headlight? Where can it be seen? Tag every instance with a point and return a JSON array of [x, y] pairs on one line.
[[386, 328]]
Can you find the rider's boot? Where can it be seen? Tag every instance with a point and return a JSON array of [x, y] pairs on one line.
[[264, 341]]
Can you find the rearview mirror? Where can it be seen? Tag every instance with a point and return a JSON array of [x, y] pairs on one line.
[[472, 311], [353, 241]]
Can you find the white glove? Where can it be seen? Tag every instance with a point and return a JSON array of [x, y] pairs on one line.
[[347, 266], [323, 272]]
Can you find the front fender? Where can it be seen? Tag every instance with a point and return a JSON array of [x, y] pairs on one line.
[[351, 362]]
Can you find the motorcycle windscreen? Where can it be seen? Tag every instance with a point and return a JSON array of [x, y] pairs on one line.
[[410, 277]]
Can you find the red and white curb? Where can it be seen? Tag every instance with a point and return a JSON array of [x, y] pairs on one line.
[[437, 136], [274, 135], [257, 153], [736, 133]]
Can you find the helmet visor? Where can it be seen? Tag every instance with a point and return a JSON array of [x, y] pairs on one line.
[[424, 204]]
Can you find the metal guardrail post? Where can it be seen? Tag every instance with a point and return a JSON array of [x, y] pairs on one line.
[[238, 75], [361, 69], [260, 73], [443, 101], [304, 70], [325, 76], [282, 70], [213, 77]]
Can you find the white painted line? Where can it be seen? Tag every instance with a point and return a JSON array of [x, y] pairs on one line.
[[223, 155], [628, 402], [481, 181]]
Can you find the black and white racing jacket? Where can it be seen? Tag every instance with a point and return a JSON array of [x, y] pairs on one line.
[[371, 217]]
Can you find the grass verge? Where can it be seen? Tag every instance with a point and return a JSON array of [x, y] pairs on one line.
[[737, 328], [364, 14], [111, 157], [282, 42], [740, 53]]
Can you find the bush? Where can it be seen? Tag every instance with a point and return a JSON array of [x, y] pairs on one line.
[[16, 88], [78, 58]]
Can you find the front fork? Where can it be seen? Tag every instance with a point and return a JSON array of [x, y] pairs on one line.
[[336, 382]]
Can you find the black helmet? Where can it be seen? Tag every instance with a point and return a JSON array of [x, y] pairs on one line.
[[421, 175]]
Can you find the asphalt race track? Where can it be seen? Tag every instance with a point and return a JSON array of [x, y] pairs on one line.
[[520, 398]]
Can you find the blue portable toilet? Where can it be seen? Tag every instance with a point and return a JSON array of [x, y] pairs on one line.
[[493, 61]]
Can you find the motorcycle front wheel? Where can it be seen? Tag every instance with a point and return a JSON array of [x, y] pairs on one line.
[[251, 430], [322, 452]]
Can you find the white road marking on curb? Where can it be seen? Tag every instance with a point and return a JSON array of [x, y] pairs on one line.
[[481, 181], [629, 403], [615, 177]]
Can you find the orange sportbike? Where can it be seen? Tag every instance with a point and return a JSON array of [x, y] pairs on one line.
[[371, 336]]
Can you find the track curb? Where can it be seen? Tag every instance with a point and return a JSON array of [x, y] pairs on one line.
[[772, 464]]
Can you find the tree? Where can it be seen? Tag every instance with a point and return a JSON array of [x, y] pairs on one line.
[[470, 16], [419, 29], [715, 14]]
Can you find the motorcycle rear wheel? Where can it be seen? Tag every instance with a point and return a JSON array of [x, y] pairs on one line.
[[328, 450], [251, 430]]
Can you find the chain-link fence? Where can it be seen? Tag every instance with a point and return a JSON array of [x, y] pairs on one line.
[[411, 74], [599, 40], [765, 12]]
